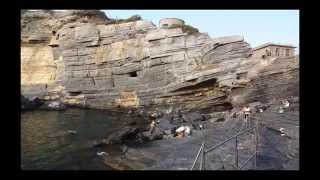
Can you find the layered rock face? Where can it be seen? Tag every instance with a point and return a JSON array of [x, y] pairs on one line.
[[273, 79], [81, 59]]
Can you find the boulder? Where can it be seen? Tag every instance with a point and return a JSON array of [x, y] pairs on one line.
[[155, 114], [193, 117], [165, 125], [30, 104], [54, 105], [198, 126], [156, 134], [122, 135], [99, 143], [177, 117], [168, 132]]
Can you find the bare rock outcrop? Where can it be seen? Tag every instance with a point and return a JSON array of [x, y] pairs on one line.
[[82, 59]]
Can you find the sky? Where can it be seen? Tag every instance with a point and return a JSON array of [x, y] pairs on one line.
[[256, 26]]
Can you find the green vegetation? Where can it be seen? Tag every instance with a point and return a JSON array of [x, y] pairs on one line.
[[130, 19], [141, 31], [186, 28], [89, 13]]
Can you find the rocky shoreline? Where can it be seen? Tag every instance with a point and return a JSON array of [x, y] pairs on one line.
[[163, 150], [138, 148], [161, 75]]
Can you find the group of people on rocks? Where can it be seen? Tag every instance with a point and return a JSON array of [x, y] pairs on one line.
[[181, 132], [246, 111]]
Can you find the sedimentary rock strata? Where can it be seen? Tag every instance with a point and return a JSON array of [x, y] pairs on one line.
[[82, 59]]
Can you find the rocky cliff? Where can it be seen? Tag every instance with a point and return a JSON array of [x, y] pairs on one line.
[[83, 58]]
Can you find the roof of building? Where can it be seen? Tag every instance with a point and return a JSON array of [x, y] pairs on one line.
[[273, 44]]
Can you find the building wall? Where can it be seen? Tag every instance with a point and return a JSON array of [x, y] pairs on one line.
[[273, 49], [169, 22], [260, 52]]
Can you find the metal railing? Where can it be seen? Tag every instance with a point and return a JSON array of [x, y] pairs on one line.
[[203, 151]]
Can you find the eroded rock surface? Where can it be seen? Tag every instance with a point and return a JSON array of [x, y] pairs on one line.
[[79, 58]]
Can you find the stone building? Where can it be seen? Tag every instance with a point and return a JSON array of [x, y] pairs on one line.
[[170, 22], [273, 50]]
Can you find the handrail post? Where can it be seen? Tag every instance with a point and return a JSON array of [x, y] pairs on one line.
[[194, 163], [249, 119], [204, 157], [236, 153], [257, 144], [201, 160]]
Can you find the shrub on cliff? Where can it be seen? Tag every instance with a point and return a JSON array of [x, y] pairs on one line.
[[186, 28], [130, 19], [90, 13]]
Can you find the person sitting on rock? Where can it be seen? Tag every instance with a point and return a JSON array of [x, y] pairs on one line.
[[180, 132], [282, 130], [187, 131], [183, 131], [281, 110], [152, 126], [286, 104]]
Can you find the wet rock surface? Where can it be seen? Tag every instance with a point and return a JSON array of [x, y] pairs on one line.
[[30, 104], [53, 105]]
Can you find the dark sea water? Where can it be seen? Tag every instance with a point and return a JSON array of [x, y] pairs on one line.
[[47, 145]]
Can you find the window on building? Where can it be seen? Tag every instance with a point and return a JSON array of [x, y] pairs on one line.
[[287, 52], [277, 52], [268, 53]]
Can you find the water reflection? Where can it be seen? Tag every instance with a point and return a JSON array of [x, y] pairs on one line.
[[46, 143]]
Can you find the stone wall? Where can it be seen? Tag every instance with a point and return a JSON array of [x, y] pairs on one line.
[[170, 22]]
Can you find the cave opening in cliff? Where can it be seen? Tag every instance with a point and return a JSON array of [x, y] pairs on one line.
[[225, 106], [133, 74], [207, 83], [75, 93], [242, 75]]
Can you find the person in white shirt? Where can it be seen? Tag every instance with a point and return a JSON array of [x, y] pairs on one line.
[[286, 104], [183, 131], [247, 111], [152, 126], [180, 132]]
